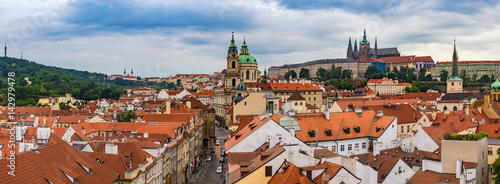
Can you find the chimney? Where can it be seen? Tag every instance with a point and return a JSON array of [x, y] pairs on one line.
[[167, 107], [433, 115], [188, 104], [462, 179], [111, 149], [480, 109], [458, 170], [415, 105], [466, 110], [327, 114], [380, 114]]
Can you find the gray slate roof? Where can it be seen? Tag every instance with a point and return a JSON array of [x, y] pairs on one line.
[[316, 62]]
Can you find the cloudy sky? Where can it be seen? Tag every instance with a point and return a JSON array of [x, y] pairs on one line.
[[162, 38]]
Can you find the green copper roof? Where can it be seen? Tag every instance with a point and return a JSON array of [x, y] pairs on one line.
[[364, 41], [244, 58], [472, 100], [495, 86], [454, 78], [232, 48], [241, 86]]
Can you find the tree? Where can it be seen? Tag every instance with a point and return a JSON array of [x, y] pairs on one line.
[[346, 74], [391, 75], [372, 70], [496, 169], [304, 73], [484, 78], [291, 73], [444, 75], [321, 73], [463, 75], [126, 116], [335, 72], [106, 93], [64, 106], [428, 77], [421, 74], [474, 78], [82, 92], [414, 89]]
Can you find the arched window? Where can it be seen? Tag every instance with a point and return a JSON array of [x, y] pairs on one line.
[[234, 82], [301, 103], [248, 74], [455, 108], [296, 104], [445, 108], [233, 65]]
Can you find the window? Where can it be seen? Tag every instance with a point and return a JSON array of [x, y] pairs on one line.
[[334, 149], [300, 103], [349, 147], [490, 151], [356, 145], [245, 103], [296, 104], [269, 171], [363, 145], [408, 128], [314, 98], [402, 129], [341, 147]]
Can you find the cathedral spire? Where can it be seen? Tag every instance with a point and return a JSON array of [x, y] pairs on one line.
[[454, 71], [364, 41], [375, 43], [355, 45], [124, 72], [349, 49]]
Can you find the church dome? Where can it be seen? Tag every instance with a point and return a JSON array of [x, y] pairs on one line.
[[244, 58], [238, 98], [495, 86], [241, 86]]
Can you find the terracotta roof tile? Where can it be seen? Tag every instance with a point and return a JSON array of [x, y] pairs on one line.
[[432, 177], [50, 165]]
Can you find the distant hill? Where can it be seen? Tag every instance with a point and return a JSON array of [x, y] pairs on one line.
[[56, 81]]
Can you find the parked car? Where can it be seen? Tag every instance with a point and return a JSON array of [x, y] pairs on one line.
[[213, 150], [221, 160], [222, 154], [209, 159], [219, 169]]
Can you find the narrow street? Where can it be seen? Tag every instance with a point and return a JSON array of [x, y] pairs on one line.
[[207, 173]]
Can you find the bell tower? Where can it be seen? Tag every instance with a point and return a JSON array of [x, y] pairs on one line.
[[232, 74]]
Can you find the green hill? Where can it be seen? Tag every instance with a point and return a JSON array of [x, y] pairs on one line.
[[56, 81]]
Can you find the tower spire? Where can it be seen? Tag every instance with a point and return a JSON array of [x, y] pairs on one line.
[[454, 71], [349, 49], [232, 46], [375, 43], [355, 44], [124, 71]]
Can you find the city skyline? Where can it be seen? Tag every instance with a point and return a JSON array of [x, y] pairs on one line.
[[159, 39]]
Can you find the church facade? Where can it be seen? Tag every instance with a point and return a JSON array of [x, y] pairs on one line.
[[365, 52], [241, 68]]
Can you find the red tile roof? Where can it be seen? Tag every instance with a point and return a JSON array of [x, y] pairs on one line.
[[294, 87], [337, 123], [49, 165], [466, 62], [290, 174], [432, 177]]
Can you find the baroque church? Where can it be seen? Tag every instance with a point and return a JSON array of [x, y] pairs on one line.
[[365, 52], [241, 68]]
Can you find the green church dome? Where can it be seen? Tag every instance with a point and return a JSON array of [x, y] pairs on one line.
[[243, 58], [241, 86], [495, 86]]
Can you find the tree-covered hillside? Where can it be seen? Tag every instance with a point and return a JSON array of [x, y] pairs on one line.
[[55, 81]]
